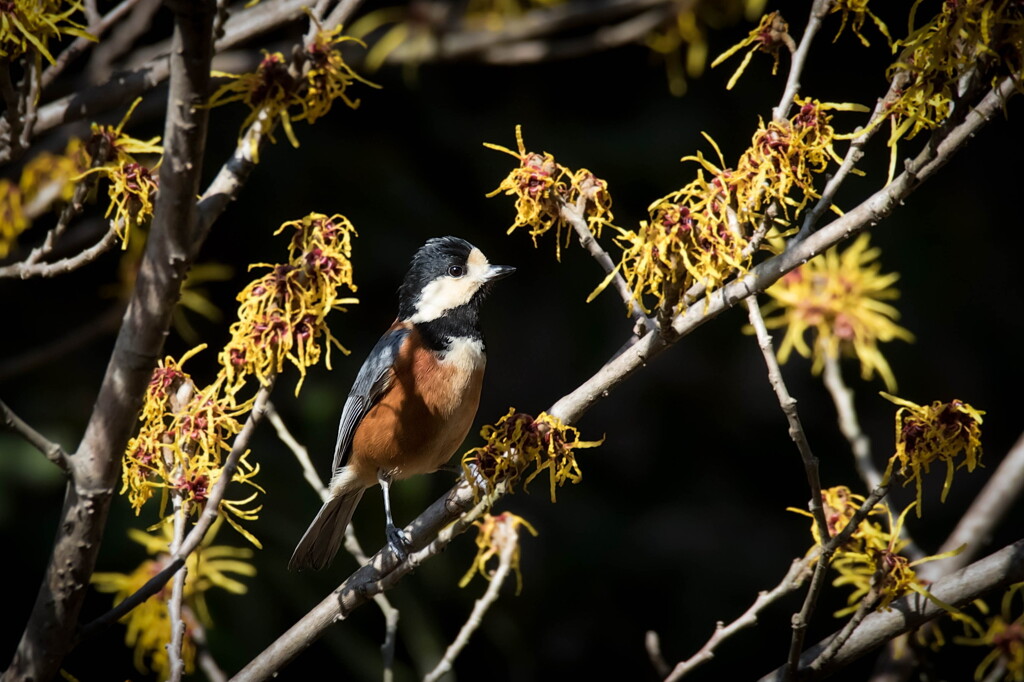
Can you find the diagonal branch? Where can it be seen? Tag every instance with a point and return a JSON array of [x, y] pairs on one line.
[[450, 515]]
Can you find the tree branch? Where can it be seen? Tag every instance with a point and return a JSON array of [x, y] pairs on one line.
[[994, 572], [791, 582], [451, 514], [49, 633], [54, 452]]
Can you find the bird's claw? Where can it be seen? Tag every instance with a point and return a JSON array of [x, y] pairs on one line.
[[399, 541]]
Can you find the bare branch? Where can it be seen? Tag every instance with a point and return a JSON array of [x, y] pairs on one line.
[[793, 579], [176, 663], [54, 452], [79, 45], [27, 269], [509, 542], [810, 462], [818, 11], [298, 449], [574, 216]]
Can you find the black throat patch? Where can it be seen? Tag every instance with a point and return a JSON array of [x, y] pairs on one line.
[[463, 321]]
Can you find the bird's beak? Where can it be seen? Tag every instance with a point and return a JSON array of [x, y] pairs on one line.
[[496, 272]]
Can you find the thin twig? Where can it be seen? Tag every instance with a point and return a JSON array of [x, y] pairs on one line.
[[207, 663], [79, 45], [810, 462], [860, 444], [788, 404], [574, 216], [54, 452], [866, 606], [175, 661], [818, 11], [793, 579], [509, 541], [26, 269], [298, 449]]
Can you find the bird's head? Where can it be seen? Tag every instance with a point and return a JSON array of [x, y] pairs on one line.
[[446, 273]]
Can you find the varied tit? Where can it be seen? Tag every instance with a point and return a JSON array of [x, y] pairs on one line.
[[416, 395]]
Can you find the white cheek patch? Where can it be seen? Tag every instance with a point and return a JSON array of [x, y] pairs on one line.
[[445, 293]]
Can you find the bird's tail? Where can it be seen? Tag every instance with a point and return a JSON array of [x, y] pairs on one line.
[[324, 536]]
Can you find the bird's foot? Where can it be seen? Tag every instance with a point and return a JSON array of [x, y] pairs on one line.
[[398, 540]]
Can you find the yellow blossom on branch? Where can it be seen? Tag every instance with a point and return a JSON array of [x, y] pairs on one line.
[[856, 12], [516, 443], [132, 185], [1004, 634], [937, 432], [701, 234], [542, 187], [283, 313], [770, 36], [870, 561], [840, 298], [982, 37], [494, 536], [31, 24], [280, 93], [149, 624], [184, 435]]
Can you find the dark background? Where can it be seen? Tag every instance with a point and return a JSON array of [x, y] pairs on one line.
[[681, 517]]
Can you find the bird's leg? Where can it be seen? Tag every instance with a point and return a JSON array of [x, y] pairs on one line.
[[398, 539]]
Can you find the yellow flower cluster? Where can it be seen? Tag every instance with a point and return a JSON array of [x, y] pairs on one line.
[[279, 93], [27, 25], [149, 624], [180, 445], [870, 561], [282, 314], [963, 36], [770, 36], [517, 442], [701, 233], [186, 430], [133, 185], [839, 297], [542, 187], [494, 536], [46, 180], [1003, 633], [929, 433]]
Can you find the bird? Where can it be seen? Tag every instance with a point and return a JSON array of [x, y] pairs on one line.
[[416, 395]]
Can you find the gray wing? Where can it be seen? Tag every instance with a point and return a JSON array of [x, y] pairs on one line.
[[373, 380]]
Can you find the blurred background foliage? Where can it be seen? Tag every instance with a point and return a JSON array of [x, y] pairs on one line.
[[680, 518]]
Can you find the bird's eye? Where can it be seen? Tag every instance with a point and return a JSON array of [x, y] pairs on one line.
[[456, 271]]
